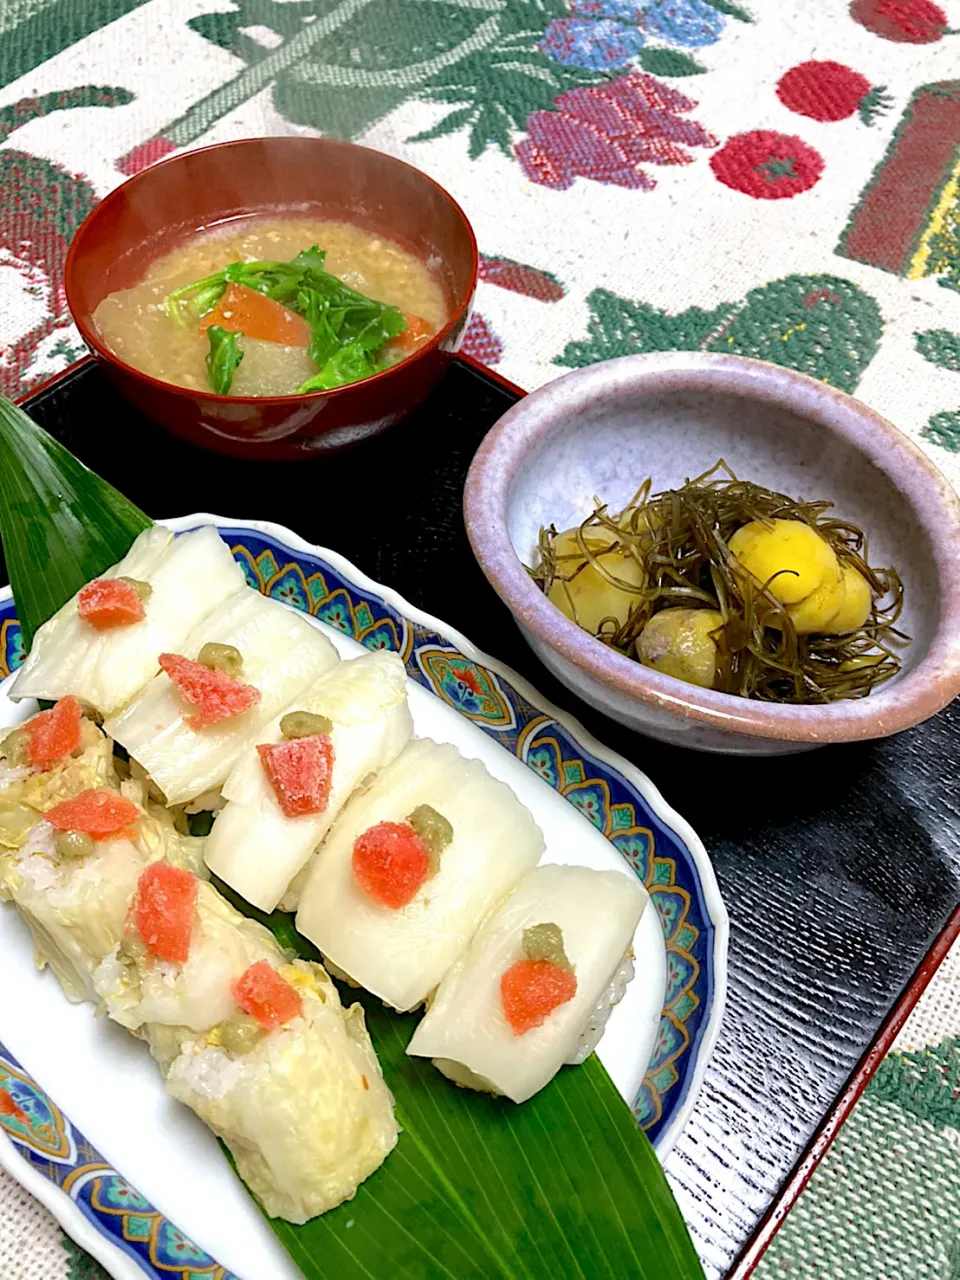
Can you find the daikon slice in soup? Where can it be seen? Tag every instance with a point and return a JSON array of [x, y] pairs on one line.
[[274, 306]]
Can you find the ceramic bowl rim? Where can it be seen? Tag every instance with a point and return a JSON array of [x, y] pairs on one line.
[[929, 686], [83, 319]]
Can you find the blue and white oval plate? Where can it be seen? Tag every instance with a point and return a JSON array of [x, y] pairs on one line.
[[134, 1177]]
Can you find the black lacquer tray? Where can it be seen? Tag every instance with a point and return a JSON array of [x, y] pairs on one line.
[[840, 868]]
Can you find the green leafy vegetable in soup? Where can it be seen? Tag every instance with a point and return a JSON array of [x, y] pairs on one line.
[[225, 355], [250, 310], [348, 330]]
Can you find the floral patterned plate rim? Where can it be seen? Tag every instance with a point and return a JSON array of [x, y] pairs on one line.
[[50, 1155]]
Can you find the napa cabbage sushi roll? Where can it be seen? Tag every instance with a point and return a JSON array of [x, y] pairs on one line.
[[537, 984], [175, 964], [234, 672], [50, 757], [74, 906], [304, 1110], [287, 789], [411, 868], [75, 841], [103, 645], [258, 1045]]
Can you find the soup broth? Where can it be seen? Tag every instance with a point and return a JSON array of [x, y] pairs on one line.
[[137, 325]]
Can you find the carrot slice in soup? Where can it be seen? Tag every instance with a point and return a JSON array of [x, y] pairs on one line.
[[53, 734], [262, 993], [243, 310], [99, 812], [530, 990], [415, 335], [109, 602], [163, 915]]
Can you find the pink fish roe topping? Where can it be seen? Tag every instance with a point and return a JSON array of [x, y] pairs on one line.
[[53, 734], [390, 863], [266, 996], [109, 602], [99, 812], [530, 990], [163, 914], [216, 695], [300, 773]]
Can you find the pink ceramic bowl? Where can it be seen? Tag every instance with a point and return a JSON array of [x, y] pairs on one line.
[[603, 429], [148, 215]]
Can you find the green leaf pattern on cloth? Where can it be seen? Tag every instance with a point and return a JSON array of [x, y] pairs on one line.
[[885, 1203], [80, 1266], [819, 325], [925, 1082], [942, 347], [482, 59]]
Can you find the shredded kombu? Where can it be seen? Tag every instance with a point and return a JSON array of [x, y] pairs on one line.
[[680, 540]]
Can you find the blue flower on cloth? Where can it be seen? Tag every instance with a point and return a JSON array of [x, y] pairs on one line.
[[690, 23], [623, 10], [601, 45]]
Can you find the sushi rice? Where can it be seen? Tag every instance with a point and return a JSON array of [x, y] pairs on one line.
[[465, 1030]]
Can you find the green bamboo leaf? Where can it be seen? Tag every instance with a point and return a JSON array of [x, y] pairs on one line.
[[60, 524], [477, 1188], [669, 62], [565, 1185]]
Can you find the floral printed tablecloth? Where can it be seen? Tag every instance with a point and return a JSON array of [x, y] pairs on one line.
[[780, 180]]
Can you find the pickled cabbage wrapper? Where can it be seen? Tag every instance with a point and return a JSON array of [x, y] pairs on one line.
[[466, 1032], [400, 955], [306, 1113], [189, 576], [75, 907], [254, 847], [302, 1106], [282, 654]]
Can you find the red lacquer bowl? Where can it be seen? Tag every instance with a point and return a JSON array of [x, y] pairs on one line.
[[160, 207]]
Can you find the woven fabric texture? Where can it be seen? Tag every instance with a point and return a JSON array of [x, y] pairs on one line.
[[885, 1203], [31, 1242], [772, 180]]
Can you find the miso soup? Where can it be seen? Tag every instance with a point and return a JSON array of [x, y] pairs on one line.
[[274, 306]]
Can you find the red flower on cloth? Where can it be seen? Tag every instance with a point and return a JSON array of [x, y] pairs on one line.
[[904, 21], [829, 91], [767, 165], [481, 342], [520, 278], [607, 132]]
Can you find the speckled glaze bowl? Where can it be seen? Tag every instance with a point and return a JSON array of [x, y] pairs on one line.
[[603, 429]]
